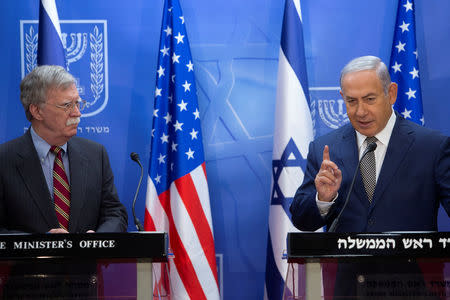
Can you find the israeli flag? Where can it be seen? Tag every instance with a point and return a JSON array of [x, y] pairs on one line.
[[50, 46], [292, 135]]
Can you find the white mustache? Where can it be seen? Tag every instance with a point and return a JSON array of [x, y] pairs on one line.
[[72, 121]]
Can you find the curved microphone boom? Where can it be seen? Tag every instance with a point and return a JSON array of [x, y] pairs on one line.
[[371, 147], [134, 156]]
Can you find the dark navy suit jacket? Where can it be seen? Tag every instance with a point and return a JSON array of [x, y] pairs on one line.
[[25, 201], [414, 179]]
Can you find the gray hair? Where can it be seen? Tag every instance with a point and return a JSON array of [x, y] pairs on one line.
[[35, 86], [369, 63]]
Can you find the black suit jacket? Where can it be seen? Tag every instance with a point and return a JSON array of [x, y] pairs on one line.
[[25, 201], [413, 181]]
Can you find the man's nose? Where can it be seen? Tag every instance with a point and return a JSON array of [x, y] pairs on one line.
[[361, 110], [75, 112]]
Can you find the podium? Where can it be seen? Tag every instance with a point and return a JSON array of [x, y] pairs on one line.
[[395, 265], [80, 266]]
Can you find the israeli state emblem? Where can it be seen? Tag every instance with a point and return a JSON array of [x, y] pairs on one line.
[[85, 42]]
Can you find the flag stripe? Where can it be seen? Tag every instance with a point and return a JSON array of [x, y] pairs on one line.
[[52, 13], [177, 285], [184, 228], [159, 222], [182, 260], [50, 47], [189, 196], [291, 98], [148, 222], [154, 210], [198, 176], [274, 280], [191, 241], [292, 44]]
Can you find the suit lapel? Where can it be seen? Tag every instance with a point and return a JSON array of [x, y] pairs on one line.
[[399, 144], [30, 170], [78, 177], [350, 158]]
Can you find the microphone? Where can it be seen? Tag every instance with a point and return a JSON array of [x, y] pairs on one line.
[[371, 147], [134, 156]]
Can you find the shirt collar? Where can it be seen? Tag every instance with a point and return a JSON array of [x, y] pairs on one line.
[[383, 136], [42, 147]]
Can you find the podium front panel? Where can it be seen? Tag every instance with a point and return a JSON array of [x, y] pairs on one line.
[[362, 266], [82, 266]]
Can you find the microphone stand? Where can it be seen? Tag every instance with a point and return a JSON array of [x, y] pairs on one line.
[[135, 157]]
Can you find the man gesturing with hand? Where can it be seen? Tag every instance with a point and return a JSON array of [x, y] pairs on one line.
[[328, 179], [408, 175]]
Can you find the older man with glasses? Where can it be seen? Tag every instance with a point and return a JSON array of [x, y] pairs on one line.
[[50, 180]]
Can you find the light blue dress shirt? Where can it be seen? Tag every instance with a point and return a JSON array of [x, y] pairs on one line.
[[47, 159]]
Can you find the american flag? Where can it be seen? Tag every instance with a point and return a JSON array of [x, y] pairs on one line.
[[177, 191], [404, 66], [292, 135], [50, 46]]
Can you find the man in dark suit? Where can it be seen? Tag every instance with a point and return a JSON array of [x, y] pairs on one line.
[[28, 189], [412, 163], [409, 175]]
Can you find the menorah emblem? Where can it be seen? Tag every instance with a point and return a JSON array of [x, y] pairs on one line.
[[77, 47], [332, 118], [85, 43]]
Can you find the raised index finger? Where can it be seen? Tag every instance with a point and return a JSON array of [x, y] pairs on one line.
[[326, 153]]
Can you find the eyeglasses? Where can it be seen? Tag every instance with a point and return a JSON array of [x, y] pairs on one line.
[[69, 106]]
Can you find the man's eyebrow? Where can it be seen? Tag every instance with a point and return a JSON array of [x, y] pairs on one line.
[[369, 95]]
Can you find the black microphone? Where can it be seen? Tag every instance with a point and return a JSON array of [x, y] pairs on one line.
[[371, 147], [134, 156]]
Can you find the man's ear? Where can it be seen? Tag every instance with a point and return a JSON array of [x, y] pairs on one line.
[[392, 93], [35, 112]]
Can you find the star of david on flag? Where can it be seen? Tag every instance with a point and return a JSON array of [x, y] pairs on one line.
[[292, 135], [404, 65], [177, 191]]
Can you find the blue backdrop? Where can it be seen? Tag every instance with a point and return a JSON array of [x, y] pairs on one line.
[[235, 48]]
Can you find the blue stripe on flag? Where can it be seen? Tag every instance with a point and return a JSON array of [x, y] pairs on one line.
[[50, 48], [292, 44], [273, 275]]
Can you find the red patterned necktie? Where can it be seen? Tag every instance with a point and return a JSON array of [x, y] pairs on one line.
[[61, 189]]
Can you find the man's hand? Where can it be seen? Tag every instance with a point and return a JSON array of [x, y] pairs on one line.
[[58, 230], [328, 179]]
